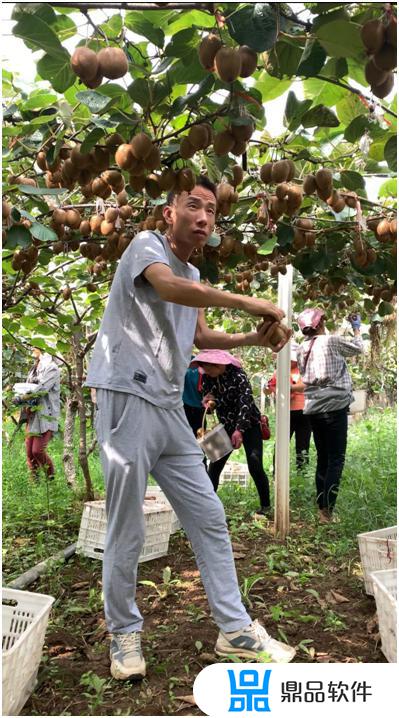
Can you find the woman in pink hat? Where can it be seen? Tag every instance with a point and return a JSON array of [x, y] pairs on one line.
[[226, 383], [328, 393]]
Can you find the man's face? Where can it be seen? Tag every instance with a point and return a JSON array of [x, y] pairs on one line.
[[191, 216]]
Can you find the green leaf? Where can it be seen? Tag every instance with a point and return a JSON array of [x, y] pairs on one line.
[[42, 233], [352, 180], [182, 44], [112, 27], [31, 28], [203, 89], [341, 39], [294, 109], [320, 116], [268, 246], [18, 236], [91, 139], [57, 70], [27, 189], [194, 18], [356, 128], [95, 101], [390, 153], [64, 27], [189, 71], [42, 10], [389, 188], [139, 92], [271, 87], [312, 60], [285, 234], [38, 100], [137, 23], [284, 59], [256, 25], [349, 107], [385, 308], [322, 92]]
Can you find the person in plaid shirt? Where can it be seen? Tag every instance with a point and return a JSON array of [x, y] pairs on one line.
[[328, 393]]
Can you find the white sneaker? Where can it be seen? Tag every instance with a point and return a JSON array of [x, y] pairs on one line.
[[252, 641], [126, 656]]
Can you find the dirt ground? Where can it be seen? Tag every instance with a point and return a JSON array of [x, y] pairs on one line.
[[325, 613]]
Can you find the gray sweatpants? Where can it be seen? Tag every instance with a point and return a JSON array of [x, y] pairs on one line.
[[137, 438]]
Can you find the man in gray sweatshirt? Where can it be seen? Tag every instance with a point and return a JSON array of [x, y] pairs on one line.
[[155, 313]]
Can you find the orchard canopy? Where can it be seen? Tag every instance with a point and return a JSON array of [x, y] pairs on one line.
[[132, 100]]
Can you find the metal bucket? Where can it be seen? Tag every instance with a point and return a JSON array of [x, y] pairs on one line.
[[359, 402], [216, 443]]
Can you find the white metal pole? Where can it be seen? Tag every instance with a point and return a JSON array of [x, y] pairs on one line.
[[282, 470]]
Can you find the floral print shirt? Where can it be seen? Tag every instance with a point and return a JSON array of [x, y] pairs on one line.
[[235, 405]]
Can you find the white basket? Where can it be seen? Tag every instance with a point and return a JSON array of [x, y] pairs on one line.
[[235, 473], [25, 617], [158, 494], [93, 526], [385, 593], [359, 402], [378, 551]]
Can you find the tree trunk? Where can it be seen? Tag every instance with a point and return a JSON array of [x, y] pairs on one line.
[[84, 464], [71, 408]]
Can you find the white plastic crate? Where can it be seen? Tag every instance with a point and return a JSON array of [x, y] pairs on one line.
[[156, 491], [378, 551], [93, 526], [235, 473], [385, 594], [25, 617], [359, 403]]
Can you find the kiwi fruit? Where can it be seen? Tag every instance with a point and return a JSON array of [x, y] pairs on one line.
[[96, 81], [59, 216], [393, 228], [385, 58], [207, 50], [167, 179], [84, 228], [291, 170], [324, 179], [126, 211], [239, 148], [242, 132], [294, 199], [185, 180], [73, 218], [153, 161], [186, 149], [141, 145], [266, 172], [95, 222], [41, 161], [224, 192], [299, 241], [281, 190], [111, 214], [304, 223], [137, 182], [223, 143], [391, 31], [339, 203], [351, 200], [106, 228], [249, 60], [198, 137], [372, 34], [100, 159], [373, 74], [84, 63], [238, 175], [275, 208], [112, 177], [228, 64], [114, 140], [112, 62], [152, 186], [385, 88], [124, 156], [99, 187], [224, 208], [280, 171], [383, 227], [81, 161]]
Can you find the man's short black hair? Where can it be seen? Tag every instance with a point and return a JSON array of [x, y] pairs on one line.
[[201, 181]]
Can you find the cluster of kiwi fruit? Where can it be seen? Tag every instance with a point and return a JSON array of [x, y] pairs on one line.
[[72, 167], [379, 38], [226, 196], [287, 197], [199, 137], [304, 234], [92, 67], [229, 62], [362, 256], [385, 230], [384, 293], [233, 139], [25, 259]]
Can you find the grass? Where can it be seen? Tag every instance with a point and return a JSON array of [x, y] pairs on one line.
[[39, 520]]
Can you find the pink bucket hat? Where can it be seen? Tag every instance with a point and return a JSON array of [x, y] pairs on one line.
[[215, 356], [310, 318]]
